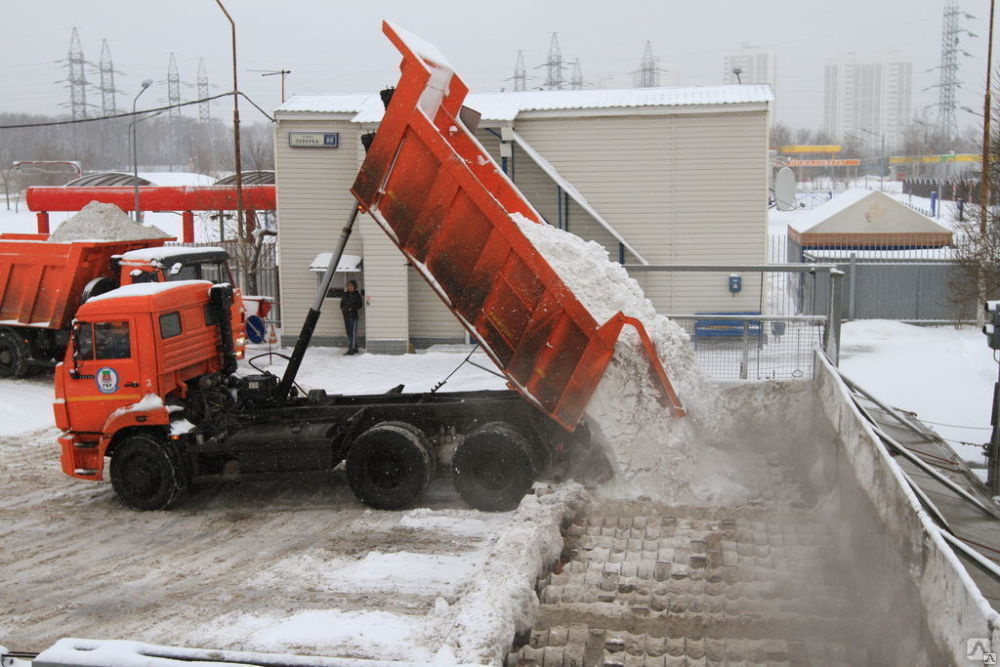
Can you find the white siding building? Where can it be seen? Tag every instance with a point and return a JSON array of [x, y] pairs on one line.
[[677, 174], [869, 92]]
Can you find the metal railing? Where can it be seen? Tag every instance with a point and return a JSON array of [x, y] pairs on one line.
[[796, 313], [733, 347]]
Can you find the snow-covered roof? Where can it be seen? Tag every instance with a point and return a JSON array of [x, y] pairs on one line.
[[827, 209], [159, 252], [147, 289], [346, 263], [367, 108], [860, 211]]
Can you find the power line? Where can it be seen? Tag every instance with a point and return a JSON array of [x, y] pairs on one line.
[[129, 114]]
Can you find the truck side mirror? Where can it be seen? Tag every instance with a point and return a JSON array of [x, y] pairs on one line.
[[74, 341]]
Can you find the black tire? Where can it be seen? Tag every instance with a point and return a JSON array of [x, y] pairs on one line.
[[14, 355], [147, 472], [390, 465], [494, 467]]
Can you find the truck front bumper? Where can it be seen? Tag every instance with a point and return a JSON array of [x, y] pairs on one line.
[[81, 459]]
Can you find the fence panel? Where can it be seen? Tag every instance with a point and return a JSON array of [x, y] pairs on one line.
[[265, 281], [758, 348], [908, 284]]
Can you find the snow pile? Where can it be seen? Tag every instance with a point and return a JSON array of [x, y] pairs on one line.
[[502, 600], [104, 222], [652, 452]]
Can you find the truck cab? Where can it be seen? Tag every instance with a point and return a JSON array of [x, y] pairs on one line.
[[132, 351], [173, 263]]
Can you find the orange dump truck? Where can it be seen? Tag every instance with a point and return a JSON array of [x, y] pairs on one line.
[[148, 377], [43, 283]]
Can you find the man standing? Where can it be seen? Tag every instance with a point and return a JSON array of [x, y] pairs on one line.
[[350, 306]]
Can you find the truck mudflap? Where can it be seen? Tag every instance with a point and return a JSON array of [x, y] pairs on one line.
[[434, 189]]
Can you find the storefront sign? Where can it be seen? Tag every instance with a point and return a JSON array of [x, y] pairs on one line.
[[823, 163]]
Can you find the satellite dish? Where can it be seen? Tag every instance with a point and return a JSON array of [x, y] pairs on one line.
[[784, 189]]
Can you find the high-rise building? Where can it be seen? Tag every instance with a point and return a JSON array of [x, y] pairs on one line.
[[868, 95], [751, 65]]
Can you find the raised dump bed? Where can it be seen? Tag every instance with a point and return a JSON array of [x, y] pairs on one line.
[[437, 193], [42, 283]]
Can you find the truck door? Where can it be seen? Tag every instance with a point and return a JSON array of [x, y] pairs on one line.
[[106, 375]]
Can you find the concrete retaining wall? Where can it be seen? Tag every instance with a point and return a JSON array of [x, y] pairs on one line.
[[954, 609]]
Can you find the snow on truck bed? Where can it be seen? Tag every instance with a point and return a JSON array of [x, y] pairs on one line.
[[104, 222]]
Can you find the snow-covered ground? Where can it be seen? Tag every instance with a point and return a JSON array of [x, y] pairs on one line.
[[304, 568], [290, 567], [943, 374]]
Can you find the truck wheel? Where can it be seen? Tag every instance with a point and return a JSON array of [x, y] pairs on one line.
[[146, 472], [494, 467], [14, 355], [390, 465]]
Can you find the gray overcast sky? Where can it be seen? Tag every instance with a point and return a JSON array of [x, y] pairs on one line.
[[334, 47]]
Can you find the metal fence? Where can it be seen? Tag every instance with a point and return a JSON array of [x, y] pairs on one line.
[[265, 279], [776, 340], [761, 348], [906, 284]]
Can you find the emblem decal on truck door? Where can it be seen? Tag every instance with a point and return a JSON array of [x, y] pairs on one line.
[[107, 380]]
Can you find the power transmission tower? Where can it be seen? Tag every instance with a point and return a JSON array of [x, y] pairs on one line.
[[576, 78], [520, 73], [204, 108], [77, 78], [648, 74], [554, 78], [109, 94], [173, 89], [948, 83]]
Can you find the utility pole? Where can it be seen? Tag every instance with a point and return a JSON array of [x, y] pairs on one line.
[[554, 79], [204, 108], [881, 161], [109, 106], [948, 83], [576, 79], [77, 78], [649, 71], [520, 73], [992, 331], [984, 179], [236, 130], [174, 112], [275, 72]]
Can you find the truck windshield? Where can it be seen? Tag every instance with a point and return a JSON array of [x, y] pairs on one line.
[[215, 271]]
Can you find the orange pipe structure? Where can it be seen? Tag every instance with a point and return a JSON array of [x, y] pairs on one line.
[[186, 199]]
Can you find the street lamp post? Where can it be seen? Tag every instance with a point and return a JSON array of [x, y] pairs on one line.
[[134, 136], [881, 162], [236, 129]]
